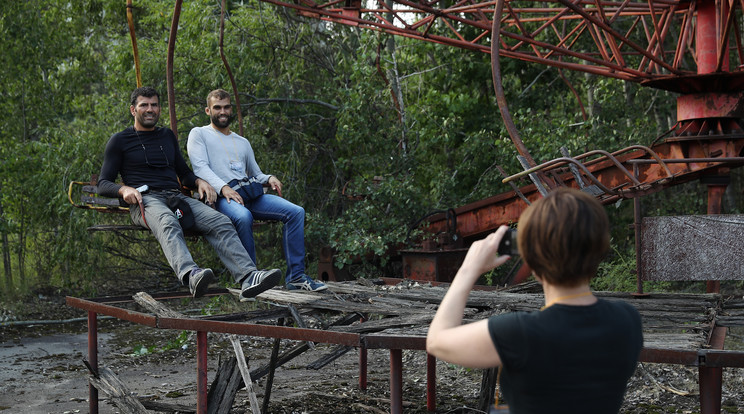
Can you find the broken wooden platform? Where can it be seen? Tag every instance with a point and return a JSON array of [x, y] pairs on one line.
[[678, 328]]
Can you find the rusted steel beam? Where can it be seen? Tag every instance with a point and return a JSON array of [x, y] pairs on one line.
[[432, 265], [716, 188], [382, 341], [236, 95], [669, 356], [710, 379], [694, 358], [169, 67], [133, 36], [431, 383], [93, 359], [119, 313], [363, 368], [396, 381], [266, 331], [201, 372], [612, 51], [710, 105], [476, 219], [499, 91]]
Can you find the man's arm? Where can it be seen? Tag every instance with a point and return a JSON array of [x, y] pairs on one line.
[[196, 148], [112, 159], [251, 166], [206, 191]]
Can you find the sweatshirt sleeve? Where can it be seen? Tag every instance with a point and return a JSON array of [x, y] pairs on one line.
[[197, 150], [251, 166], [112, 158]]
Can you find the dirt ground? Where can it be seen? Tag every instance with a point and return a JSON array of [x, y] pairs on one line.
[[44, 371]]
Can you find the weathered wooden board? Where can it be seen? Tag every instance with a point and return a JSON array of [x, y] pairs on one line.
[[671, 321], [693, 247]]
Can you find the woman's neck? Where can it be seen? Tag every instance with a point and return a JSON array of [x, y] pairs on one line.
[[580, 295]]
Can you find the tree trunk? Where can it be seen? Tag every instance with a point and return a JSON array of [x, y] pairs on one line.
[[396, 89], [6, 254], [628, 102], [21, 249]]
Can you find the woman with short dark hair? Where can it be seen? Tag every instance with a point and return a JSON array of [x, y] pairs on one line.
[[577, 353]]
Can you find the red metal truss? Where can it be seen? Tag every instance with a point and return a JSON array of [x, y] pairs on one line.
[[632, 40]]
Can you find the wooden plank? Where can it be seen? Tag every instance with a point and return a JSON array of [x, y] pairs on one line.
[[673, 321], [245, 374], [118, 393], [157, 308]]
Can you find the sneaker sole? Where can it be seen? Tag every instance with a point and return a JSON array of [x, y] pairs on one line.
[[269, 282], [202, 286]]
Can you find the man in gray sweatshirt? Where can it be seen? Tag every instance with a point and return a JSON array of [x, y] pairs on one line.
[[226, 161]]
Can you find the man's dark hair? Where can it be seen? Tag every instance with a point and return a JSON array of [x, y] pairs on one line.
[[146, 91]]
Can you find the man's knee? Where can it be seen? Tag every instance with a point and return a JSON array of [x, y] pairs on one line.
[[241, 217], [217, 218], [166, 224], [299, 212]]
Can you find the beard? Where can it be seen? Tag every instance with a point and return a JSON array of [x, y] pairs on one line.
[[220, 121], [148, 123]]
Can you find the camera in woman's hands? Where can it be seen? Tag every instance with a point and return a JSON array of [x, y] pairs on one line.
[[508, 244]]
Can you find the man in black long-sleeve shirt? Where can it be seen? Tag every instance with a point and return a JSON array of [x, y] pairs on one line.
[[146, 155]]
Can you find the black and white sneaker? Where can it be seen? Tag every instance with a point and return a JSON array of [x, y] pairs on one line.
[[260, 281], [199, 280]]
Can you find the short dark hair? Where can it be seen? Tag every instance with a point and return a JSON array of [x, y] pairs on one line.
[[146, 91], [217, 94], [564, 236]]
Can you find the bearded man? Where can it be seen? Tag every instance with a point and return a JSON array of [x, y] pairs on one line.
[[227, 162]]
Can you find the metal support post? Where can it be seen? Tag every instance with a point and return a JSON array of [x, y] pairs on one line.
[[637, 229], [93, 360], [637, 217], [431, 383], [201, 372], [716, 188], [396, 381], [363, 368], [711, 379]]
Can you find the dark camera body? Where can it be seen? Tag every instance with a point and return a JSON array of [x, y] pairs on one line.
[[508, 244]]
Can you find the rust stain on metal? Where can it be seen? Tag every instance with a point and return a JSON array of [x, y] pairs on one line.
[[693, 247]]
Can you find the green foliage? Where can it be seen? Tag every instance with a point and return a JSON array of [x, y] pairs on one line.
[[180, 341], [368, 133], [617, 272]]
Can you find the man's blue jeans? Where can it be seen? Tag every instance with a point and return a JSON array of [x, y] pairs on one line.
[[215, 228], [270, 207]]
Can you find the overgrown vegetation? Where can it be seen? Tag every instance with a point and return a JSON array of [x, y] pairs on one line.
[[317, 106]]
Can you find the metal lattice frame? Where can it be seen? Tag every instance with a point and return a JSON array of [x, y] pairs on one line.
[[632, 40]]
